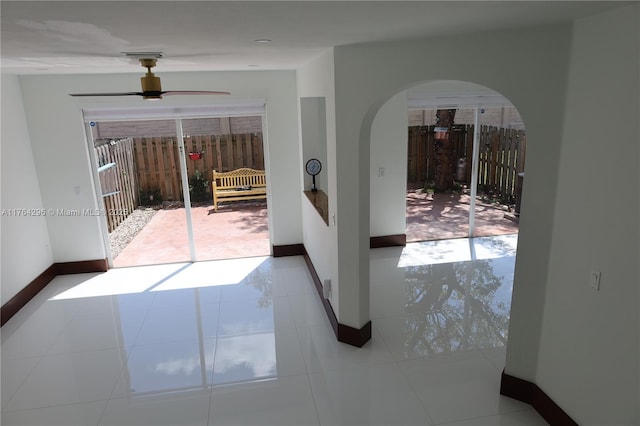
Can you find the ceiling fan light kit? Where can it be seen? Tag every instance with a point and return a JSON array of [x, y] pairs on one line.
[[150, 83], [151, 86], [143, 55]]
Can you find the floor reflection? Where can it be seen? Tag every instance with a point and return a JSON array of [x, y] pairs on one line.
[[457, 306], [440, 297], [169, 367], [245, 357], [247, 341], [214, 333]]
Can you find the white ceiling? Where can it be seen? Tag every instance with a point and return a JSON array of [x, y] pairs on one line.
[[89, 36]]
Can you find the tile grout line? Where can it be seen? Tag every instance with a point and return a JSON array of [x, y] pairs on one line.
[[22, 384], [213, 361], [397, 363]]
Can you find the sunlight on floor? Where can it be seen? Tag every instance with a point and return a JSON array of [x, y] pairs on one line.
[[247, 341], [458, 250], [164, 277]]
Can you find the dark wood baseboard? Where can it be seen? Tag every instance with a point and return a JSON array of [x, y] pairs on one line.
[[288, 250], [318, 284], [354, 336], [531, 394], [16, 303], [344, 333], [82, 267], [374, 242], [388, 241], [23, 297]]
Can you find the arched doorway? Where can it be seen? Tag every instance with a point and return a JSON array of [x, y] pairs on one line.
[[444, 296], [366, 77]]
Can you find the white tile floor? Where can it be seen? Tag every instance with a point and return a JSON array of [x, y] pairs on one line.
[[246, 342]]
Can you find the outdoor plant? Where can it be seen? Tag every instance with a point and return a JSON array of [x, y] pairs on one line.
[[199, 187], [457, 188], [430, 187], [150, 197]]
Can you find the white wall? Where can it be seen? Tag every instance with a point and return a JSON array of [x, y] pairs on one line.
[[316, 79], [389, 152], [25, 251], [369, 74], [585, 352], [313, 135], [61, 154], [588, 361]]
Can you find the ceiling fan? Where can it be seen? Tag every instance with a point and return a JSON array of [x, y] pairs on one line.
[[151, 88]]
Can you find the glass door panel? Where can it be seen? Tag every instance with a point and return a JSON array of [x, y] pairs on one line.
[[500, 161], [438, 192], [448, 195], [139, 172], [238, 227]]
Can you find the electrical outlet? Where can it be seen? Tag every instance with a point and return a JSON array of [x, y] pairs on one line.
[[594, 280], [326, 289]]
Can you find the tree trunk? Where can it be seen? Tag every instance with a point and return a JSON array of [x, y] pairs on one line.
[[443, 150]]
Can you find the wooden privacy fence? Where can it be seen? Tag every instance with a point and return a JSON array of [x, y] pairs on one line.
[[158, 169], [502, 156], [421, 162], [116, 171]]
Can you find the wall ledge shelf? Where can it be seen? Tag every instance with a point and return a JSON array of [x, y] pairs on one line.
[[320, 201]]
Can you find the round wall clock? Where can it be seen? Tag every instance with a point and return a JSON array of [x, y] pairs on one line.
[[313, 167]]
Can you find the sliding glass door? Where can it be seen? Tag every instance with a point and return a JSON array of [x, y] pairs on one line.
[[154, 178], [143, 163], [237, 228], [465, 169]]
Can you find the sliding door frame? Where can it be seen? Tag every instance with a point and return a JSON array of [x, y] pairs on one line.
[[178, 113]]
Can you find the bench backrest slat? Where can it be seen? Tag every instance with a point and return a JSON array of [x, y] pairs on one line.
[[240, 177]]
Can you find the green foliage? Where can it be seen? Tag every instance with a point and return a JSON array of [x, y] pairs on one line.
[[491, 194], [199, 187], [150, 197]]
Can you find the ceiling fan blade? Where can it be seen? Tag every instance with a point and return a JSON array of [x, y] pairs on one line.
[[193, 92], [154, 94], [108, 94], [150, 83]]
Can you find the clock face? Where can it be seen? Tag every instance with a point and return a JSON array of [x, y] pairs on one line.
[[313, 166]]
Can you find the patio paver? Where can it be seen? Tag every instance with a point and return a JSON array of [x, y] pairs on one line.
[[447, 216], [237, 230], [240, 229]]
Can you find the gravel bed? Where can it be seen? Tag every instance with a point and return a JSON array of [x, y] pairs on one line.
[[120, 237]]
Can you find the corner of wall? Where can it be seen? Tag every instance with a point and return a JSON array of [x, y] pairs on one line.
[[26, 249]]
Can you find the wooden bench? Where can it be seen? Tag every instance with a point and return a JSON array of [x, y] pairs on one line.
[[239, 184]]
